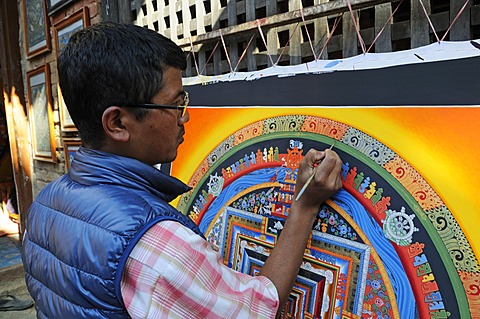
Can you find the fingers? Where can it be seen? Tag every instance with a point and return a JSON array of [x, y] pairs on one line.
[[327, 178], [306, 167], [329, 162], [328, 171], [311, 159], [316, 158]]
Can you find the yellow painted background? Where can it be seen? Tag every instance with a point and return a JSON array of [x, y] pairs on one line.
[[441, 143]]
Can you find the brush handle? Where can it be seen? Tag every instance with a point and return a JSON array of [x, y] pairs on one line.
[[306, 184]]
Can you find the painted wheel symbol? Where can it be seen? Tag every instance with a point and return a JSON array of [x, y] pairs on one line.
[[399, 226], [215, 185]]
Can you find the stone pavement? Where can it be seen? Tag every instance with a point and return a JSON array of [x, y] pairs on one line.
[[12, 276], [12, 281]]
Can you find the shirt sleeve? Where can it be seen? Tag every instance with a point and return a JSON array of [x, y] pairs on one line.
[[174, 273]]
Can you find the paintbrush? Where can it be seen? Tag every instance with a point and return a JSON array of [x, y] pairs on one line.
[[309, 179]]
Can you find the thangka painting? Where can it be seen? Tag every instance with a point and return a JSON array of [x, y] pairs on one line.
[[386, 245]]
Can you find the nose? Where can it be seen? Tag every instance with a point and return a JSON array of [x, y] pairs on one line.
[[185, 118]]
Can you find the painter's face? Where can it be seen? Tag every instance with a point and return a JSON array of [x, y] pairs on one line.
[[161, 132]]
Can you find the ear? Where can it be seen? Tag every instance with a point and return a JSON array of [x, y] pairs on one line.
[[113, 119]]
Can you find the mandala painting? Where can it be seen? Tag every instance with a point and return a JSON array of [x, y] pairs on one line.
[[385, 246]]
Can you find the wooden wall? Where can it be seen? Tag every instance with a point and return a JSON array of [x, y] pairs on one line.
[[210, 28]]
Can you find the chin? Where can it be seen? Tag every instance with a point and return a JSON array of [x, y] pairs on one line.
[[168, 159]]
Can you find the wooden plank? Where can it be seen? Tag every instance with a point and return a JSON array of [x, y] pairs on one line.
[[111, 10], [320, 10], [186, 17], [232, 12], [216, 9], [233, 44], [150, 12], [180, 22], [250, 16], [295, 34], [202, 60], [475, 15], [217, 60], [440, 21], [200, 13], [461, 28], [250, 10], [271, 34], [160, 16], [137, 8], [382, 15], [419, 27], [335, 43], [368, 35], [401, 30], [321, 35], [190, 66], [350, 38], [172, 14]]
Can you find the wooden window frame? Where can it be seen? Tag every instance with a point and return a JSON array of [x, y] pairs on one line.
[[70, 147], [62, 31], [36, 19], [41, 100], [55, 5]]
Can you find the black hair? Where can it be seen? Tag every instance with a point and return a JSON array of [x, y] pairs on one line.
[[110, 64]]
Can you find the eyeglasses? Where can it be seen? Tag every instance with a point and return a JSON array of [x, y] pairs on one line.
[[182, 107]]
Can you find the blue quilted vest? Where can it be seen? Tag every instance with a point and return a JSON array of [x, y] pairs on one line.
[[82, 227]]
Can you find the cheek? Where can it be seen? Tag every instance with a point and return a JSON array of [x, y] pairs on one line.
[[166, 136]]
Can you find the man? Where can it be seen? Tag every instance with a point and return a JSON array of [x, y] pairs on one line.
[[102, 241]]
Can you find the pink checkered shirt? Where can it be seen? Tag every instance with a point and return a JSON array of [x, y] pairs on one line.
[[174, 273]]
